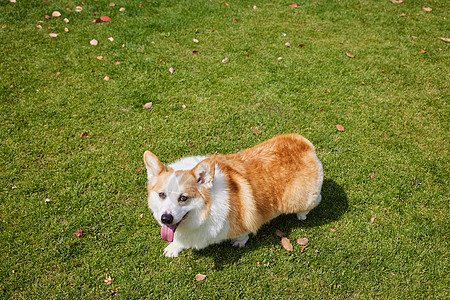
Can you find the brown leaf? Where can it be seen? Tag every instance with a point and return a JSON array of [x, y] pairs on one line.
[[372, 220], [79, 233], [397, 1], [256, 131], [148, 105], [287, 44], [302, 242], [279, 233], [286, 244], [56, 14], [332, 230], [84, 134], [424, 8], [122, 9], [423, 51], [138, 170], [372, 176], [340, 127], [445, 39], [93, 42], [53, 35], [303, 248], [100, 57], [107, 78], [108, 279], [225, 60], [350, 55], [200, 277]]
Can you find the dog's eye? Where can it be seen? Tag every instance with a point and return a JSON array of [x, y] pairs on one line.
[[183, 198], [162, 195]]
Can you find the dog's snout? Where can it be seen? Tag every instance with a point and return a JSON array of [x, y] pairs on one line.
[[167, 219]]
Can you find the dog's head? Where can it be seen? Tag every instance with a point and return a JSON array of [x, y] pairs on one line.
[[176, 197]]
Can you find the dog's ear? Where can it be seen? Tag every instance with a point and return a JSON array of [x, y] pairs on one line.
[[153, 165], [204, 173]]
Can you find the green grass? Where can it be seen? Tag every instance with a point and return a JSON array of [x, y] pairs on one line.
[[391, 98]]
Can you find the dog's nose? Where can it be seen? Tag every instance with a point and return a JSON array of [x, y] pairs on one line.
[[167, 219]]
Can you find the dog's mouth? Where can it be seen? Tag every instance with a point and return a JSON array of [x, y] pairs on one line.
[[167, 231]]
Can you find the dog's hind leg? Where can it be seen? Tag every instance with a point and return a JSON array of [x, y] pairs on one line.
[[241, 240]]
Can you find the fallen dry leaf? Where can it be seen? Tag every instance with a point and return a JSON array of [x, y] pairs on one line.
[[112, 4], [38, 26], [200, 277], [47, 201], [279, 233], [287, 44], [195, 40], [53, 35], [56, 14], [302, 241], [66, 29], [100, 57], [195, 52], [225, 60], [372, 220], [403, 15], [108, 279], [316, 251], [332, 230], [138, 170], [111, 39], [171, 70], [293, 5], [423, 51], [303, 248], [105, 18], [350, 55], [79, 233], [340, 127], [372, 176], [397, 1], [183, 106], [256, 131], [66, 20], [148, 105], [286, 244], [83, 135], [141, 216], [93, 42], [445, 39], [117, 63], [122, 9], [255, 7], [424, 8], [107, 78], [78, 9]]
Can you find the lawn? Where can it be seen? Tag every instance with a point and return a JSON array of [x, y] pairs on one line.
[[223, 76]]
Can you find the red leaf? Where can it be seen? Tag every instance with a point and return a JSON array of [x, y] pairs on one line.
[[79, 232], [105, 18], [84, 134], [293, 5]]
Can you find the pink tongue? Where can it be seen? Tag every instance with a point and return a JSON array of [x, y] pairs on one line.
[[167, 232]]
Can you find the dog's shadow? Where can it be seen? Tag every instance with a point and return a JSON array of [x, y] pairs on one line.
[[333, 205]]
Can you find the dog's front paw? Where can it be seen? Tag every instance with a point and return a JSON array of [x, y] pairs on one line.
[[172, 250]]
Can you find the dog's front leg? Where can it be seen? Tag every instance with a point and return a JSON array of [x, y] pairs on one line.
[[173, 249]]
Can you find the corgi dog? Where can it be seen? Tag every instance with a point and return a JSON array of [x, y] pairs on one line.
[[203, 200]]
